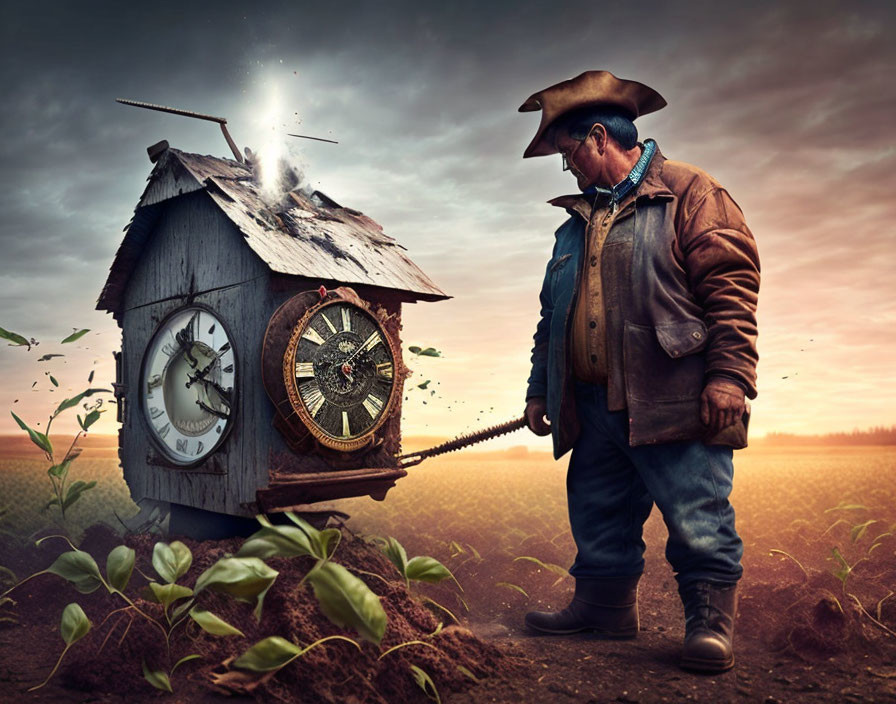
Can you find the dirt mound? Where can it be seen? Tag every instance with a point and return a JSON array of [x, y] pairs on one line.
[[108, 660], [813, 619]]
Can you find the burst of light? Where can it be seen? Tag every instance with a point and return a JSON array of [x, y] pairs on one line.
[[271, 148]]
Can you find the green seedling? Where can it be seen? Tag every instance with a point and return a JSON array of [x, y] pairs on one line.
[[65, 496], [275, 653], [291, 541], [549, 566], [424, 681], [74, 626], [343, 598], [782, 553], [245, 579], [420, 568], [515, 587], [843, 569]]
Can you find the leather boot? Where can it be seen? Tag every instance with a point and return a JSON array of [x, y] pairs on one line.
[[607, 606], [709, 611]]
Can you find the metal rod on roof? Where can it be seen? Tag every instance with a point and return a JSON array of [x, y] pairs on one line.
[[319, 139], [189, 113]]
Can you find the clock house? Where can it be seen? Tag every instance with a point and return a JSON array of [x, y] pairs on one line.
[[260, 366]]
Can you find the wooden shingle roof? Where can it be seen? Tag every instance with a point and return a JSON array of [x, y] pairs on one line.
[[306, 236]]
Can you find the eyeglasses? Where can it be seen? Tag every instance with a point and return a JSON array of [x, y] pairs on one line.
[[566, 159]]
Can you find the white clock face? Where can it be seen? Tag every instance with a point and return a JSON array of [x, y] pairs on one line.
[[188, 385]]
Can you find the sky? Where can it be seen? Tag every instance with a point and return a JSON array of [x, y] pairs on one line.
[[790, 105]]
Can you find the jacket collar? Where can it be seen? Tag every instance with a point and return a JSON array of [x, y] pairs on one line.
[[651, 187]]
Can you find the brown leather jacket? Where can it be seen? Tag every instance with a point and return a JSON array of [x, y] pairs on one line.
[[680, 278]]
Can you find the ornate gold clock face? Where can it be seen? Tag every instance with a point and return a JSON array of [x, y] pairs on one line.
[[339, 370], [188, 384]]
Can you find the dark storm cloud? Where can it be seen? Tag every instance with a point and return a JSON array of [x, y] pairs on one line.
[[789, 104]]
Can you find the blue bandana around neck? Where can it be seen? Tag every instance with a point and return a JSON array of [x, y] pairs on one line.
[[630, 182]]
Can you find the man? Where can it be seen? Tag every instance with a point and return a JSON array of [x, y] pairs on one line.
[[643, 355]]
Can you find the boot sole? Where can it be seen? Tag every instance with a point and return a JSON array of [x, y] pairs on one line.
[[706, 666]]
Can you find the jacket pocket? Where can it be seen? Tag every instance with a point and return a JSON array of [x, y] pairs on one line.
[[680, 339], [661, 363]]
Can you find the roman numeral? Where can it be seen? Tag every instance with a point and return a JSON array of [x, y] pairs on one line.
[[346, 430], [155, 412], [168, 349], [201, 447], [327, 321], [373, 405], [384, 370], [163, 431], [372, 341], [312, 335], [304, 370], [224, 348], [181, 445], [312, 396], [228, 369], [346, 318]]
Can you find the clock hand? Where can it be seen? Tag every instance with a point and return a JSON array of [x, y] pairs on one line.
[[213, 411]]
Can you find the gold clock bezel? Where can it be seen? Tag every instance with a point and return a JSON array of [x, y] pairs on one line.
[[295, 399]]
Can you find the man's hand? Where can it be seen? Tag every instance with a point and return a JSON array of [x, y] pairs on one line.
[[536, 411], [721, 404]]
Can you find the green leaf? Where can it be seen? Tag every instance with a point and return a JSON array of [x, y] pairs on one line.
[[549, 566], [424, 681], [424, 384], [185, 658], [79, 568], [413, 349], [277, 541], [323, 542], [215, 625], [430, 352], [171, 562], [38, 438], [14, 338], [90, 376], [244, 578], [75, 400], [347, 601], [60, 470], [74, 624], [275, 652], [515, 587], [398, 556], [119, 566], [167, 594], [90, 419], [846, 506], [183, 559], [75, 490], [53, 380], [466, 672], [157, 678], [843, 569], [427, 569], [269, 654], [75, 336], [859, 530], [180, 609]]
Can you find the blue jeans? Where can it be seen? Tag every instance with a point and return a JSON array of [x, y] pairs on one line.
[[611, 489]]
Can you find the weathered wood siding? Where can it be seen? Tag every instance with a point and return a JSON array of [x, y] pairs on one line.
[[196, 254]]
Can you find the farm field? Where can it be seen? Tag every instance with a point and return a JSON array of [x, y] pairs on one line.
[[817, 617]]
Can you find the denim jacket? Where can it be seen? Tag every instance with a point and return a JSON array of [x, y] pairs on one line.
[[680, 278]]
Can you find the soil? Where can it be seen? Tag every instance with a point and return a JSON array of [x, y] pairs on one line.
[[795, 641]]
